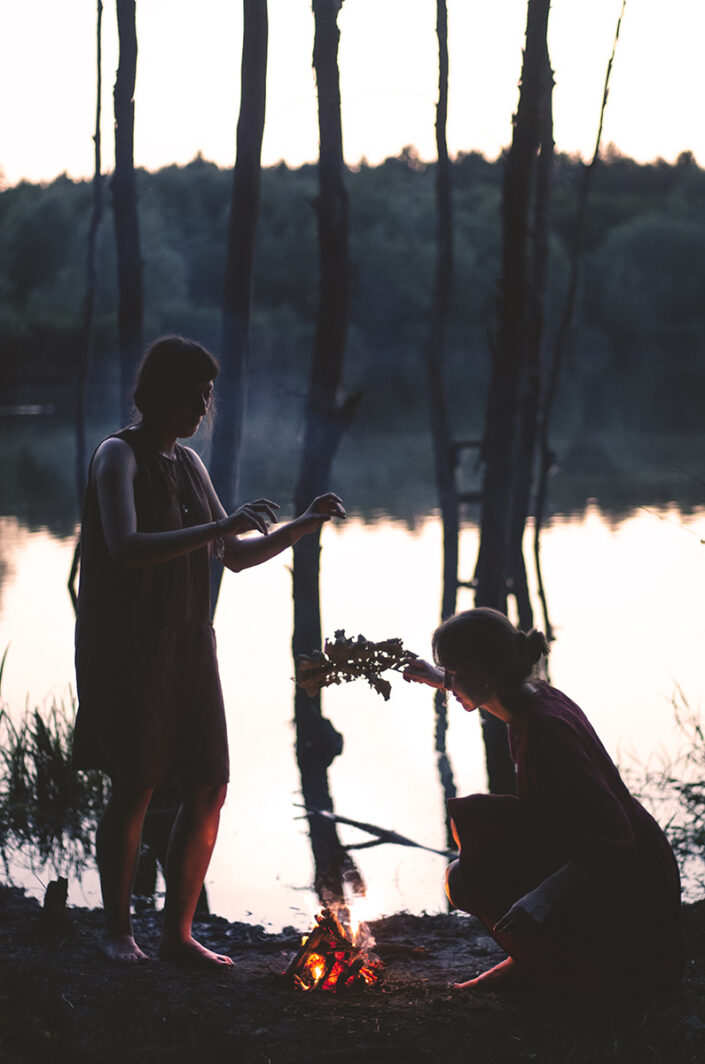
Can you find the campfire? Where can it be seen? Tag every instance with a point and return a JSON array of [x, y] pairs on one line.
[[330, 959]]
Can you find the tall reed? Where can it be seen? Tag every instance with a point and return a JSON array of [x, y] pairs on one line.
[[48, 811]]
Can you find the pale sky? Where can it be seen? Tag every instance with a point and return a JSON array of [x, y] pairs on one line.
[[187, 93]]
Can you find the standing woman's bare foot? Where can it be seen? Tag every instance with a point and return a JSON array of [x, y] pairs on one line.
[[192, 953], [506, 973], [122, 948]]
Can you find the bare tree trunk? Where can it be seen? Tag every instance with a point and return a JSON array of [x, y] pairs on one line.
[[504, 437], [127, 234], [89, 309], [444, 451], [546, 455], [530, 395], [91, 279], [239, 270], [317, 742], [445, 454]]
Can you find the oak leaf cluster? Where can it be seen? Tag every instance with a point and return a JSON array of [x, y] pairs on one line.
[[348, 658]]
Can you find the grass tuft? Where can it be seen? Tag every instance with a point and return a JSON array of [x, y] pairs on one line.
[[48, 810]]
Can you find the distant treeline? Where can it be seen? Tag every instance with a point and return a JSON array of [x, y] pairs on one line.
[[636, 355]]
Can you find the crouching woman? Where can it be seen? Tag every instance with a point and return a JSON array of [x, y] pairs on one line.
[[572, 877]]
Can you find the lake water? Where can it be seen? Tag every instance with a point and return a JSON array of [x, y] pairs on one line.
[[627, 600]]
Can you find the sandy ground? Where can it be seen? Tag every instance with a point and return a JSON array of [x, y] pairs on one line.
[[60, 1000]]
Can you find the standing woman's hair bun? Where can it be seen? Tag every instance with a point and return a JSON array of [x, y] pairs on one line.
[[534, 646]]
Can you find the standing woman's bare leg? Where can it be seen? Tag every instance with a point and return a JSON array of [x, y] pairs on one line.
[[190, 847], [117, 849]]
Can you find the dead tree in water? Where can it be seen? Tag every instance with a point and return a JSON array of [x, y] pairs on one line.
[[89, 308], [317, 742], [91, 279], [239, 269], [545, 453], [512, 408], [530, 397], [445, 454], [127, 233]]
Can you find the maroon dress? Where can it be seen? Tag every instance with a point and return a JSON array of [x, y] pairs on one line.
[[622, 926], [150, 705]]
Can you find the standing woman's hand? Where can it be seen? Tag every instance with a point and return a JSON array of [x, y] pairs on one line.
[[321, 509], [250, 517]]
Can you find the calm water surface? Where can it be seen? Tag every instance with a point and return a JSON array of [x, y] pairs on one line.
[[627, 600]]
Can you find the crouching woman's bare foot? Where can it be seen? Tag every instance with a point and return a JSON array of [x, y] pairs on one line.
[[506, 973], [191, 953], [122, 948]]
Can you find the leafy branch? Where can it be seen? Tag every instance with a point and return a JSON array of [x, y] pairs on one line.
[[347, 658]]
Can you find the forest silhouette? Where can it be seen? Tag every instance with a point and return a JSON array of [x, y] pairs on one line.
[[637, 335], [629, 405]]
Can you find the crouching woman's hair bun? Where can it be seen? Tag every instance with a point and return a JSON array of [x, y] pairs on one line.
[[533, 645]]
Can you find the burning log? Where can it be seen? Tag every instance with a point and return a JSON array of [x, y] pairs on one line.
[[347, 659], [330, 960]]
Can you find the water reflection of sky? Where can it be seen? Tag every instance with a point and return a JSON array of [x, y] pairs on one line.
[[627, 602]]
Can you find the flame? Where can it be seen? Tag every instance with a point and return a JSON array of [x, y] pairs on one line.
[[316, 965], [312, 972], [353, 916], [354, 924]]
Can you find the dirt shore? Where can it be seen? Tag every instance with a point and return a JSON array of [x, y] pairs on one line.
[[61, 1001]]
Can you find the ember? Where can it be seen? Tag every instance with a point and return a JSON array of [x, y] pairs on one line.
[[329, 960]]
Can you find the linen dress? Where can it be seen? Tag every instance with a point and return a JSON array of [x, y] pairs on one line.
[[622, 927], [150, 704]]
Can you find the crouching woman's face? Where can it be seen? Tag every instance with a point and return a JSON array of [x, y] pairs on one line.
[[469, 687]]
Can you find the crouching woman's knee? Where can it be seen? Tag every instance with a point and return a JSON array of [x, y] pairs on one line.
[[457, 889]]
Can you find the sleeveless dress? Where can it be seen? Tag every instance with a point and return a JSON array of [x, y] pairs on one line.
[[623, 930], [150, 704]]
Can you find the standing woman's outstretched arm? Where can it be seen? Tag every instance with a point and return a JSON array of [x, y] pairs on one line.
[[244, 553]]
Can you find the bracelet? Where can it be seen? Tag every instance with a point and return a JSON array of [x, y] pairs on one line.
[[219, 544], [447, 681]]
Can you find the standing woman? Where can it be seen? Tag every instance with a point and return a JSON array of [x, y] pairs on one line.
[[150, 710], [572, 877]]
